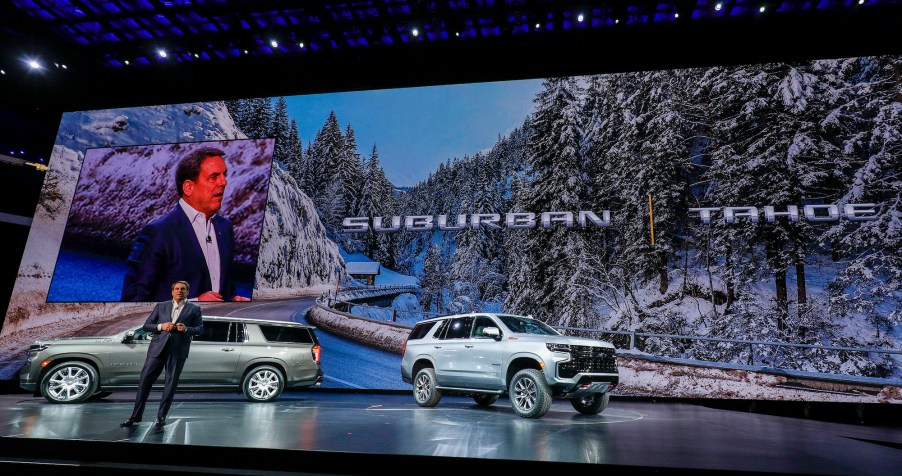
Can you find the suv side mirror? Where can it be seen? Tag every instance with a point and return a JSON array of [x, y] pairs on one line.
[[492, 332], [129, 337]]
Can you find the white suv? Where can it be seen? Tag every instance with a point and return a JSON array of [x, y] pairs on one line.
[[488, 355]]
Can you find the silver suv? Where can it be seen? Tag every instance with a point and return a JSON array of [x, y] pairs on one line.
[[261, 358], [488, 355]]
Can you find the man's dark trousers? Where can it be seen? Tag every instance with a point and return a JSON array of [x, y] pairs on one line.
[[149, 374]]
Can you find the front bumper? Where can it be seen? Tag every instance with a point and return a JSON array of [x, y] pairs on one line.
[[29, 375], [587, 384]]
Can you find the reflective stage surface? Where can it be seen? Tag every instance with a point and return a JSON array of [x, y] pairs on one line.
[[348, 426]]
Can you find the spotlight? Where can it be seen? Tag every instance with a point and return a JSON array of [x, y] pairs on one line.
[[676, 15], [456, 33], [126, 62], [196, 55], [719, 6], [580, 18], [538, 26], [162, 53], [274, 43], [762, 9], [415, 32], [64, 67], [56, 64], [861, 2], [301, 44], [34, 64], [616, 21], [245, 52], [2, 71]]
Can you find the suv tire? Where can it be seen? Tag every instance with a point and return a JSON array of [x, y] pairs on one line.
[[591, 404], [69, 382], [263, 384], [530, 394], [424, 388], [485, 399]]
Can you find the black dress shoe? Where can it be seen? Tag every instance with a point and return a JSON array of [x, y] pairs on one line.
[[130, 422], [160, 421]]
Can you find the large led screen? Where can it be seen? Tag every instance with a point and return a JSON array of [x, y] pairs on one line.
[[735, 231], [128, 236]]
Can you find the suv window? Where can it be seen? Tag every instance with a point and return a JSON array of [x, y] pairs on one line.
[[294, 335], [481, 323], [526, 325], [420, 330], [459, 328], [440, 332], [237, 332], [214, 331]]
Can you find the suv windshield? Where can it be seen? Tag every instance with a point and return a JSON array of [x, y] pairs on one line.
[[526, 325]]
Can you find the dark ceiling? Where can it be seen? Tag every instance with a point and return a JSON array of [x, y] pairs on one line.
[[95, 54]]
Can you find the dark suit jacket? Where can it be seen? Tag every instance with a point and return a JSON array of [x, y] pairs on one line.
[[179, 342], [167, 251]]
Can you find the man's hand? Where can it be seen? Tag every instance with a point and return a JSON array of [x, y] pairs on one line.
[[167, 326], [180, 327], [210, 296], [240, 298]]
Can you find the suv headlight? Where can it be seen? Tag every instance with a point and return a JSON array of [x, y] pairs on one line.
[[37, 347], [34, 350], [558, 347]]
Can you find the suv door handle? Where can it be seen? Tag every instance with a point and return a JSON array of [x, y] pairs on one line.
[[227, 349], [438, 347], [468, 345]]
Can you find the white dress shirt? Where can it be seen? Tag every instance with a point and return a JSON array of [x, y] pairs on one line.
[[206, 237], [176, 310]]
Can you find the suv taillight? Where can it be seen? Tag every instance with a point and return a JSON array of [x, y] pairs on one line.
[[317, 351], [403, 349]]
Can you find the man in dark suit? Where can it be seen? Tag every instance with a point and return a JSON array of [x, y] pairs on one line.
[[173, 323], [191, 242]]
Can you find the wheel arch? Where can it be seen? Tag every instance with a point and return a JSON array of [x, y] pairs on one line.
[[520, 362], [419, 364], [281, 366], [63, 358]]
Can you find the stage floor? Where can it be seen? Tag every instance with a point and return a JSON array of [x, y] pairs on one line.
[[631, 433]]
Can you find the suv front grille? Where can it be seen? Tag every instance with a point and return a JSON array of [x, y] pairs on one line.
[[588, 359]]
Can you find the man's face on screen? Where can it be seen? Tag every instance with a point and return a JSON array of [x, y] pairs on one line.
[[206, 194]]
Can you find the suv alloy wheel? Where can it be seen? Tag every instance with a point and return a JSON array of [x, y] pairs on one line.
[[263, 384], [530, 394], [69, 382], [424, 391]]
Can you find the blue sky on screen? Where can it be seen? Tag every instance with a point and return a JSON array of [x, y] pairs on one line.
[[414, 129]]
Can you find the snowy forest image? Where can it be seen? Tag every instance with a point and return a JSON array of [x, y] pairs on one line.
[[813, 133]]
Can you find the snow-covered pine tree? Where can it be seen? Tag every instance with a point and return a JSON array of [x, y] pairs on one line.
[[871, 280], [281, 131], [770, 150], [324, 158], [605, 119], [350, 181], [653, 160], [238, 110], [294, 162], [259, 118], [432, 280], [560, 275]]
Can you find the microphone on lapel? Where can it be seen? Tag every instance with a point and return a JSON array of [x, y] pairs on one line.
[[209, 239]]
